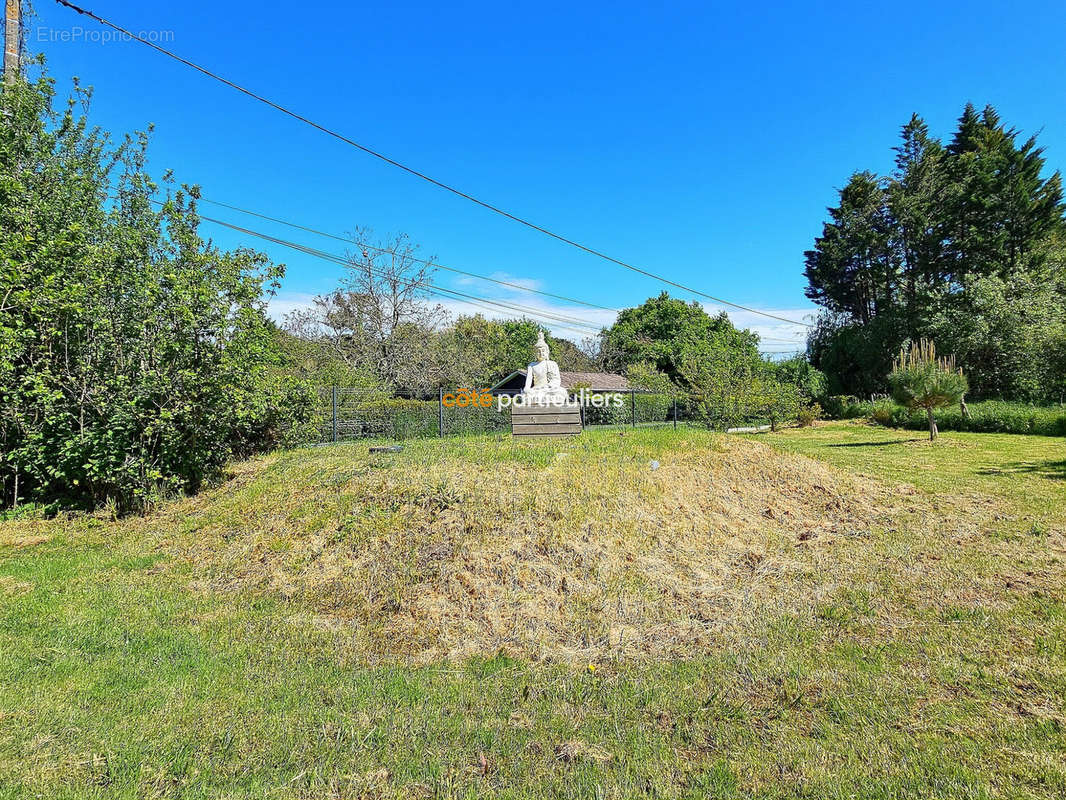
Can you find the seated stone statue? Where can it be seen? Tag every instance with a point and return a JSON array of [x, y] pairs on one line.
[[543, 383]]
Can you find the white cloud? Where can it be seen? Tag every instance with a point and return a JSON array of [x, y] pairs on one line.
[[778, 337], [526, 284], [286, 302]]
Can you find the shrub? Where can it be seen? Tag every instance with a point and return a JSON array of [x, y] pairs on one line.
[[654, 407], [990, 416], [135, 358], [808, 415], [921, 379], [610, 414], [844, 406], [883, 412]]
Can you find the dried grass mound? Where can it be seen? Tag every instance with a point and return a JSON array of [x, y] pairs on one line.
[[572, 550]]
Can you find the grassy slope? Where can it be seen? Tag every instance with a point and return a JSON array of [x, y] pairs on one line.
[[929, 661]]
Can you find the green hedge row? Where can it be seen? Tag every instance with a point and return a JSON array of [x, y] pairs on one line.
[[989, 416]]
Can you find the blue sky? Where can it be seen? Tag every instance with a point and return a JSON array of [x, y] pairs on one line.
[[702, 141]]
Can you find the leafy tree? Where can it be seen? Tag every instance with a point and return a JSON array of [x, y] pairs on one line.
[[378, 320], [921, 379], [647, 378], [667, 333], [952, 246], [799, 372], [522, 335], [135, 358], [777, 400], [851, 268]]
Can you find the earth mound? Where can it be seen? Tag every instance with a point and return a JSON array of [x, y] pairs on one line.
[[646, 544]]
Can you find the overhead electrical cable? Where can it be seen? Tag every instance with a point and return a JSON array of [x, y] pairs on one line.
[[428, 287], [384, 250], [368, 246], [421, 175]]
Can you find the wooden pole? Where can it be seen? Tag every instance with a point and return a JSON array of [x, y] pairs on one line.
[[13, 41], [440, 412]]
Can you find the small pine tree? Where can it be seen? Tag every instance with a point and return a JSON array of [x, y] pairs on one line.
[[920, 379]]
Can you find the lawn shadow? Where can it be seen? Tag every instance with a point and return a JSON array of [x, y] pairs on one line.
[[1055, 470], [871, 444]]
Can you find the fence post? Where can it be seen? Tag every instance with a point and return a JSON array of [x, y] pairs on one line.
[[675, 412], [633, 406], [334, 414], [440, 412]]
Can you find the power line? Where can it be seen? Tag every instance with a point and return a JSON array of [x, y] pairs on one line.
[[427, 262], [441, 291], [383, 250], [410, 170], [431, 288]]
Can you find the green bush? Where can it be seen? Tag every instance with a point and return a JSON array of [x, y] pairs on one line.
[[388, 418], [808, 415], [135, 357], [845, 406], [610, 414], [885, 412], [400, 418], [654, 407], [990, 416]]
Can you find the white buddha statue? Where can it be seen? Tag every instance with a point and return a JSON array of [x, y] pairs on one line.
[[543, 383]]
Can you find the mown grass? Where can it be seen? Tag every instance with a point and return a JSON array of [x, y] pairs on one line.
[[921, 655], [1026, 473]]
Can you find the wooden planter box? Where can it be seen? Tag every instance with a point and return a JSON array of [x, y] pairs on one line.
[[546, 420]]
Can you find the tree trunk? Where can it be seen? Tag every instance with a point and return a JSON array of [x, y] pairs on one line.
[[932, 425]]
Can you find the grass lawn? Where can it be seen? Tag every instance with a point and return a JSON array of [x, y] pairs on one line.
[[835, 612], [1025, 471]]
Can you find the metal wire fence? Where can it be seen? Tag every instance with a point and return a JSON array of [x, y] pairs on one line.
[[346, 413]]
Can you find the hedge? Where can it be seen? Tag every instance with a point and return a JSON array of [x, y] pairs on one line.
[[990, 416]]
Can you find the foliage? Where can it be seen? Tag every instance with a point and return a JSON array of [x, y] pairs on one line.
[[377, 320], [729, 392], [962, 243], [426, 349], [647, 378], [776, 400], [666, 345], [884, 412], [990, 416], [808, 415], [665, 334], [798, 371], [844, 406], [921, 379], [135, 358]]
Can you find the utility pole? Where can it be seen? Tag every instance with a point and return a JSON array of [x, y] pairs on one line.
[[13, 41]]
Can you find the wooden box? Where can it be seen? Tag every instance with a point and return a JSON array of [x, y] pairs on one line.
[[546, 420]]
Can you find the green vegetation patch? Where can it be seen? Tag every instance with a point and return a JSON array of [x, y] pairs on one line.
[[917, 649]]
